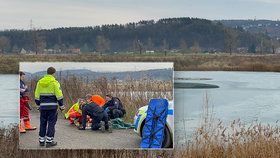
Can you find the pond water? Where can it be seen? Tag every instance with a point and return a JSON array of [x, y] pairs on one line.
[[9, 96], [247, 96]]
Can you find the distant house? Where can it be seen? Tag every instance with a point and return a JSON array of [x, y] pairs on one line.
[[242, 50], [174, 51], [49, 51], [129, 53], [95, 53], [211, 50], [52, 51], [277, 51], [23, 51], [150, 52], [74, 50]]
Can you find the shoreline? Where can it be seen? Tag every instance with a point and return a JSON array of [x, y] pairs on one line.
[[9, 64]]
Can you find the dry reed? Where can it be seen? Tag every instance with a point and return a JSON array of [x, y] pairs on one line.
[[237, 139], [182, 62]]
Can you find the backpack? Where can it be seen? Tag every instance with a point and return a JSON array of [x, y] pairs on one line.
[[153, 130]]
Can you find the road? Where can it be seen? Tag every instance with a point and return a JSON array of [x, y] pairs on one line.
[[69, 137]]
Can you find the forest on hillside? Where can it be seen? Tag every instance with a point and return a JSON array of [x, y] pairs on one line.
[[165, 35], [268, 27]]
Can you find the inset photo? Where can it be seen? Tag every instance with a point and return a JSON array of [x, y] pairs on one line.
[[97, 105]]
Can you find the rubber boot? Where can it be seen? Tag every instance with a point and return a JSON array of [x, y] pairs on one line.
[[51, 144], [21, 129], [110, 127], [102, 126], [28, 126], [42, 143]]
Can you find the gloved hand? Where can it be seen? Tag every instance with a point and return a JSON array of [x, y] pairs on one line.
[[62, 108], [29, 106]]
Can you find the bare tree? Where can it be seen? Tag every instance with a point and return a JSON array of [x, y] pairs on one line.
[[165, 46], [15, 49], [137, 46], [101, 85], [140, 46], [266, 45], [39, 43], [102, 45], [261, 46], [4, 43], [230, 40], [274, 45], [150, 44], [195, 48], [183, 45]]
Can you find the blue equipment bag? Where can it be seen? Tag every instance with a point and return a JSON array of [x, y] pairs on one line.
[[153, 130]]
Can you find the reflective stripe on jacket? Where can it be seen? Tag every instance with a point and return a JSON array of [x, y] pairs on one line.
[[74, 110]]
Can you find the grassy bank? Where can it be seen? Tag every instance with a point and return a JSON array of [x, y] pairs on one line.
[[200, 62]]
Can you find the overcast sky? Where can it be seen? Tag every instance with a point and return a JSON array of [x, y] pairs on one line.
[[17, 14], [33, 67]]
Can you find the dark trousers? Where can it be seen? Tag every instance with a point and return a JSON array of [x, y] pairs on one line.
[[97, 119], [48, 120], [115, 113]]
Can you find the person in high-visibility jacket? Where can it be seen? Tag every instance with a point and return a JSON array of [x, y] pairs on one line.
[[48, 96], [24, 106], [74, 114]]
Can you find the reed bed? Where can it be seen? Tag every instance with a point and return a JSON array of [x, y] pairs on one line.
[[235, 139], [9, 141], [182, 62]]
